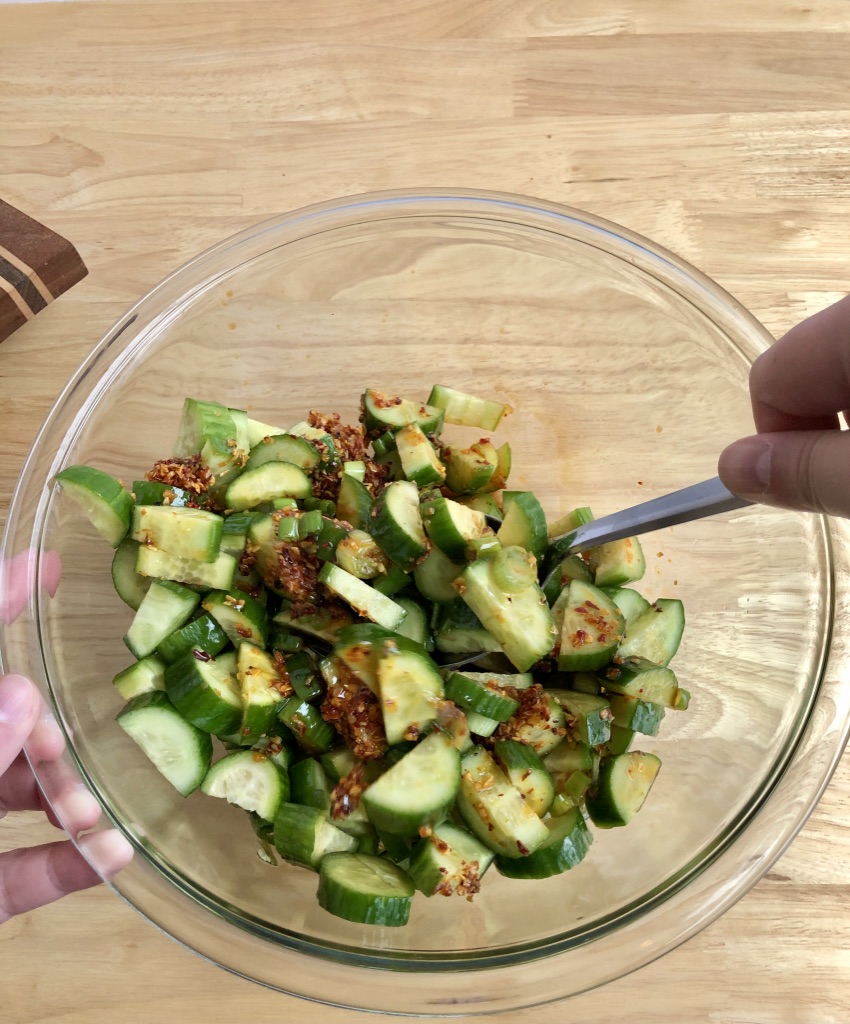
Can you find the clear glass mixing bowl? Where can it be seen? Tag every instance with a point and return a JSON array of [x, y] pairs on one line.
[[628, 371]]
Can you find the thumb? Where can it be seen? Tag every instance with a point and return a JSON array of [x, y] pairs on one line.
[[800, 469]]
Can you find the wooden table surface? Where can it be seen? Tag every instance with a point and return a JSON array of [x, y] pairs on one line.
[[146, 130]]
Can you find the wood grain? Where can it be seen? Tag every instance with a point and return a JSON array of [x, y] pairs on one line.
[[149, 129]]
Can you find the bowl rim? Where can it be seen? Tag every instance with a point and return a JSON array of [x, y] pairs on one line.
[[429, 201]]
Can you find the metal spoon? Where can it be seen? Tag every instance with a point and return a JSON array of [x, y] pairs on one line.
[[698, 501]]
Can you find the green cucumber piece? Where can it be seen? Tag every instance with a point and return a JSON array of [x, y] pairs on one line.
[[501, 680], [354, 502], [338, 763], [622, 787], [188, 532], [234, 533], [523, 523], [164, 608], [141, 677], [657, 633], [217, 575], [217, 434], [309, 786], [418, 791], [409, 687], [618, 562], [588, 716], [592, 629], [323, 624], [397, 527], [485, 503], [569, 523], [570, 792], [458, 630], [249, 781], [478, 695], [365, 889], [306, 724], [573, 567], [392, 581], [469, 469], [636, 715], [566, 846], [360, 554], [365, 600], [414, 625], [527, 773], [178, 750], [434, 576], [449, 860], [383, 412], [271, 480], [480, 725], [522, 622], [201, 634], [569, 757], [419, 461], [452, 526], [637, 677], [129, 585], [494, 809], [630, 602], [259, 682], [283, 448], [303, 835], [467, 410], [541, 730], [303, 676], [243, 619], [206, 692], [503, 469], [257, 431], [104, 500], [621, 740]]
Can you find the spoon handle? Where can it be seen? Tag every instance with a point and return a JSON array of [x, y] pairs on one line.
[[698, 501]]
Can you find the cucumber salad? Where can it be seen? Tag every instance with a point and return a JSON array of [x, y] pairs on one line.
[[363, 638]]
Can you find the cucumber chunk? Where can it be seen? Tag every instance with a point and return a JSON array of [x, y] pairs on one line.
[[527, 773], [480, 696], [365, 600], [639, 678], [384, 412], [283, 448], [470, 469], [591, 631], [243, 619], [419, 461], [177, 749], [206, 693], [164, 608], [249, 781], [354, 502], [458, 630], [358, 553], [303, 835], [622, 787], [450, 860], [271, 480], [142, 677], [202, 634], [452, 526], [618, 562], [130, 586], [217, 575], [188, 532], [434, 576], [397, 527], [366, 889], [104, 500], [636, 715], [657, 633], [630, 602], [524, 522], [258, 684], [565, 847], [409, 685], [418, 791], [467, 410], [588, 716]]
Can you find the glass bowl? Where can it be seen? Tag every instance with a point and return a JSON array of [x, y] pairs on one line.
[[628, 373]]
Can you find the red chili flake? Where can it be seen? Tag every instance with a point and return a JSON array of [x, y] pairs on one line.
[[202, 655]]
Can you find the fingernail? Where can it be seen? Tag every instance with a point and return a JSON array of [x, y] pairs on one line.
[[745, 467], [16, 699]]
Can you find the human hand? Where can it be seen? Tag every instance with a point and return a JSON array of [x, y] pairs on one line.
[[800, 457]]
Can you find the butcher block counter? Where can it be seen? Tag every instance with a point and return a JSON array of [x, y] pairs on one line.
[[144, 131]]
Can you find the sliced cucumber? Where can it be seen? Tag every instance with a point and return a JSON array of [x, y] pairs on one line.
[[565, 847], [494, 809], [206, 692], [142, 677], [521, 622], [588, 716], [303, 676], [243, 619], [434, 576], [257, 431], [527, 773], [630, 602], [570, 756], [211, 431], [469, 469], [485, 503], [568, 523], [202, 634], [618, 562], [354, 502], [252, 782], [130, 586], [259, 683], [480, 725], [524, 522], [570, 792], [621, 740], [164, 608], [271, 480], [365, 600], [657, 633], [409, 685], [359, 554], [104, 500], [591, 631], [503, 469], [414, 626], [309, 786], [642, 679], [392, 581], [324, 623], [473, 693], [622, 787], [418, 791], [365, 889], [234, 533], [419, 461], [178, 750], [459, 630], [542, 728], [450, 860], [384, 412], [573, 567], [305, 722], [188, 532], [303, 835], [452, 526], [467, 410], [338, 763], [397, 527], [283, 448], [217, 575], [636, 715], [501, 680]]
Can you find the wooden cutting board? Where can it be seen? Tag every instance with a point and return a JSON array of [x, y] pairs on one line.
[[145, 130]]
